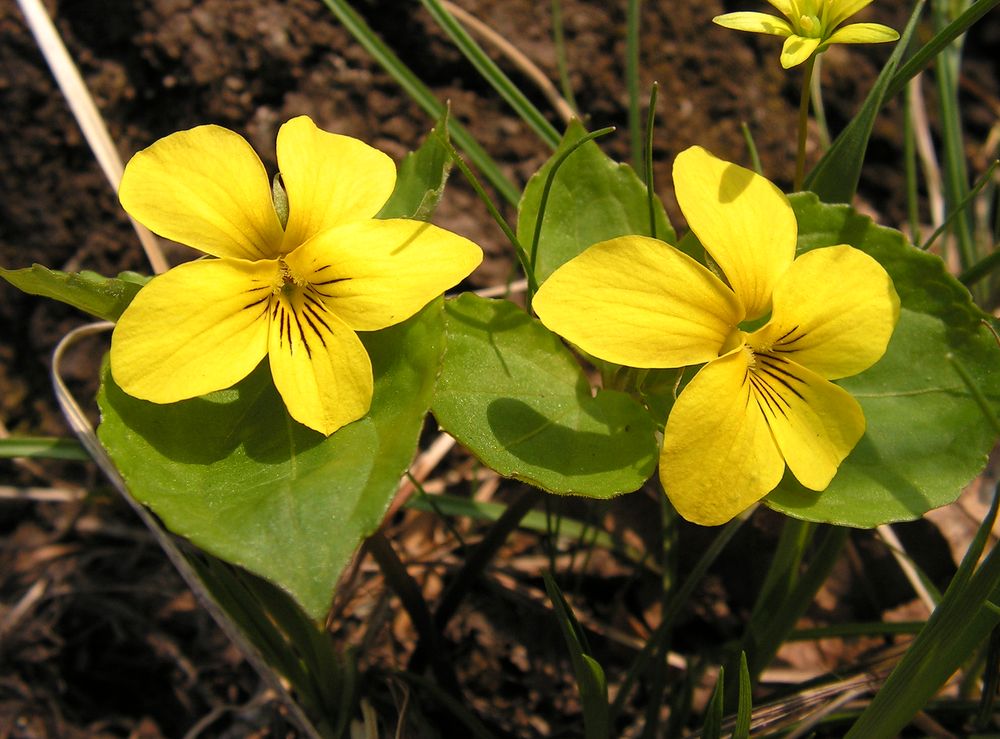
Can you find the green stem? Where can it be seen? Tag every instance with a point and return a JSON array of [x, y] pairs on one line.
[[650, 189], [543, 203], [751, 149], [800, 158], [522, 255], [910, 166]]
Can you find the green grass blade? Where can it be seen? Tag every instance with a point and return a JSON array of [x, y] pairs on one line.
[[42, 448], [712, 729], [752, 152], [492, 73], [422, 96], [981, 269], [648, 160], [772, 632], [963, 620], [866, 628], [835, 177], [660, 638], [589, 675], [744, 710], [926, 54], [954, 170], [910, 166]]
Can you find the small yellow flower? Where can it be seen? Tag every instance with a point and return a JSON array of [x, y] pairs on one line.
[[296, 294], [764, 397], [812, 26]]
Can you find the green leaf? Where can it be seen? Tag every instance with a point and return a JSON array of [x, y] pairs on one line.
[[590, 680], [744, 710], [104, 297], [42, 448], [421, 178], [712, 728], [513, 394], [926, 436], [237, 476], [835, 177], [593, 198]]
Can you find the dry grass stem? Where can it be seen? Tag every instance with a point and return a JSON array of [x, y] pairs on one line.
[[527, 67], [84, 109]]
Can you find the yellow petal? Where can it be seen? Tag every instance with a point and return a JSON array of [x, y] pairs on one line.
[[834, 312], [841, 10], [318, 364], [741, 219], [785, 7], [718, 454], [862, 33], [815, 423], [330, 179], [637, 301], [797, 49], [755, 23], [206, 188], [376, 273], [200, 327]]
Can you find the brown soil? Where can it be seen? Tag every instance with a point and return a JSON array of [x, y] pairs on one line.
[[114, 645]]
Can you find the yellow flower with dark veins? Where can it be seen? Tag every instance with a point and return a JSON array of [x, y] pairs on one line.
[[809, 26], [772, 333], [295, 292]]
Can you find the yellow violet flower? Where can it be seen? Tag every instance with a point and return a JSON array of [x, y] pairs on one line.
[[296, 294], [764, 397], [811, 26]]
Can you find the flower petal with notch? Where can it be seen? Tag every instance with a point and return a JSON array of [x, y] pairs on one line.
[[764, 398], [296, 293]]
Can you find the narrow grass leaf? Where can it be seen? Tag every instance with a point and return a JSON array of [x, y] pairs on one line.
[[961, 623], [712, 728], [42, 448], [744, 710], [421, 95], [835, 177], [953, 165], [939, 41], [491, 73], [590, 679]]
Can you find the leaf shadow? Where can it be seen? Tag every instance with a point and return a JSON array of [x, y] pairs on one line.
[[547, 444], [209, 429]]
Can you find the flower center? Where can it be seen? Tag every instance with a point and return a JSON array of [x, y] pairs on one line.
[[810, 26], [287, 281], [736, 338]]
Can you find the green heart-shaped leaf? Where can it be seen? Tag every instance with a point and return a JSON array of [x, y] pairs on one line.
[[513, 394], [926, 436], [237, 476], [421, 178], [104, 297], [593, 198]]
